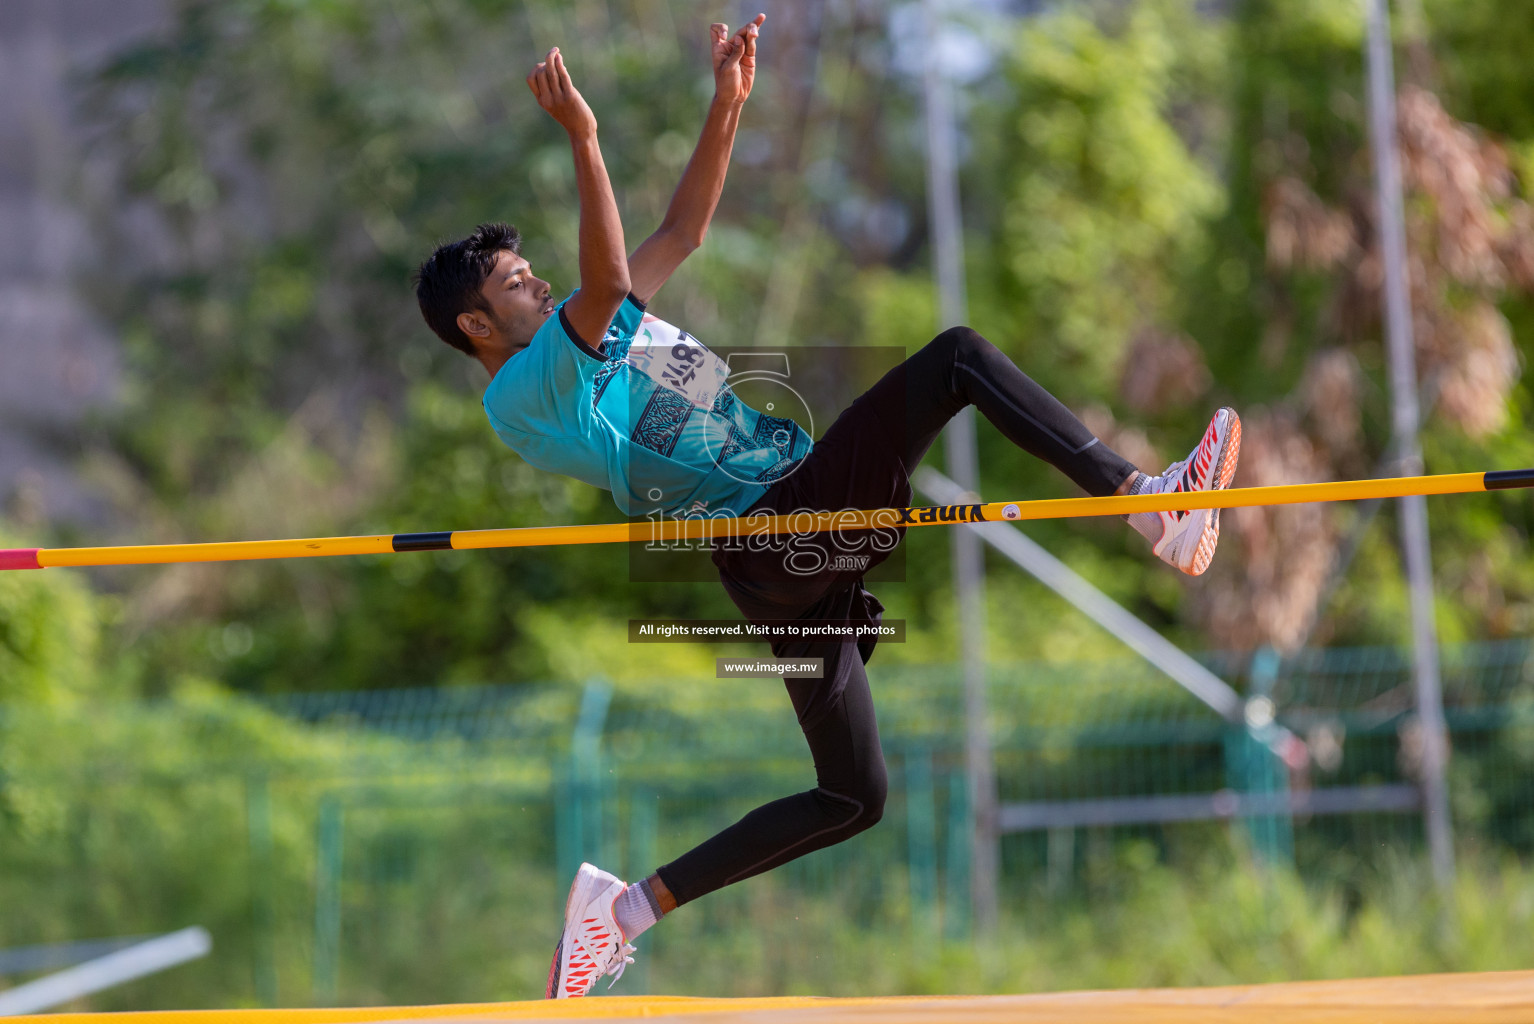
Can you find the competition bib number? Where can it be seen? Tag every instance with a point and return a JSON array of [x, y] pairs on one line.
[[677, 361]]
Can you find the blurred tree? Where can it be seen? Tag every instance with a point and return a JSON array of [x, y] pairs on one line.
[[1104, 198], [1296, 330], [1093, 189], [49, 630]]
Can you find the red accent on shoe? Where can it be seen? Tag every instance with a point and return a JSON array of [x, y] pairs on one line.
[[552, 986]]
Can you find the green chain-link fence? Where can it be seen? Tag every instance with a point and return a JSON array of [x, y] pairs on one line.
[[414, 845]]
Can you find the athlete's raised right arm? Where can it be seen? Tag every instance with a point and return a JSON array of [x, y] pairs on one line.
[[697, 196], [603, 260]]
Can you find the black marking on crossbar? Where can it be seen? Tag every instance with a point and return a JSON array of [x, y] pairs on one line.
[[1506, 479], [442, 541]]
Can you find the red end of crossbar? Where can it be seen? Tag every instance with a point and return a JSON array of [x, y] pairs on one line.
[[19, 558]]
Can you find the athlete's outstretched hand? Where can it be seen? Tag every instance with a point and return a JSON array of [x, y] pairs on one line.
[[551, 83], [735, 60]]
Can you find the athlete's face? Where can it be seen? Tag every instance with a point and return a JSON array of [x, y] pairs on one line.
[[519, 302]]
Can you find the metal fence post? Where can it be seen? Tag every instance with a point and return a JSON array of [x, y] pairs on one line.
[[1261, 772], [921, 843], [1060, 858], [579, 825], [567, 822], [258, 820], [327, 901], [644, 826], [960, 828], [642, 858]]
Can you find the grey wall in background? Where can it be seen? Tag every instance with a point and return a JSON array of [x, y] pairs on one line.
[[57, 360]]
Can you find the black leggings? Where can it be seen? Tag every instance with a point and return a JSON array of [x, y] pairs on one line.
[[864, 461]]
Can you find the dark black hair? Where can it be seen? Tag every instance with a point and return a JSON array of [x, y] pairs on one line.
[[448, 282]]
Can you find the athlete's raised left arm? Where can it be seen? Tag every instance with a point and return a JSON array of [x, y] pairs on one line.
[[692, 207]]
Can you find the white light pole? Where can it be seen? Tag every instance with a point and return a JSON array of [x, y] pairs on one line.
[[959, 441], [1404, 423]]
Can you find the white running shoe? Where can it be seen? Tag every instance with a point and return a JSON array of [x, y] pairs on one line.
[[1188, 538], [592, 945]]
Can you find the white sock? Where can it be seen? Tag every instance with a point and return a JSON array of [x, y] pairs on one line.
[[1147, 523], [636, 909]]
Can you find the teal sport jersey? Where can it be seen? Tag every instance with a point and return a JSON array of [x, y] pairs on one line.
[[650, 417]]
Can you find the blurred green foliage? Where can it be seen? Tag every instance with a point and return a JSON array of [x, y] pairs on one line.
[[50, 630], [1111, 202]]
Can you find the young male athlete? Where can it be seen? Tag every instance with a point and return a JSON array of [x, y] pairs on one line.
[[594, 388]]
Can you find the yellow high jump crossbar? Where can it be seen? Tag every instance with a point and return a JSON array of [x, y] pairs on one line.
[[668, 530]]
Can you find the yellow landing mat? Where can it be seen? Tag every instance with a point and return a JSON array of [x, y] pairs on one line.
[[1499, 998]]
